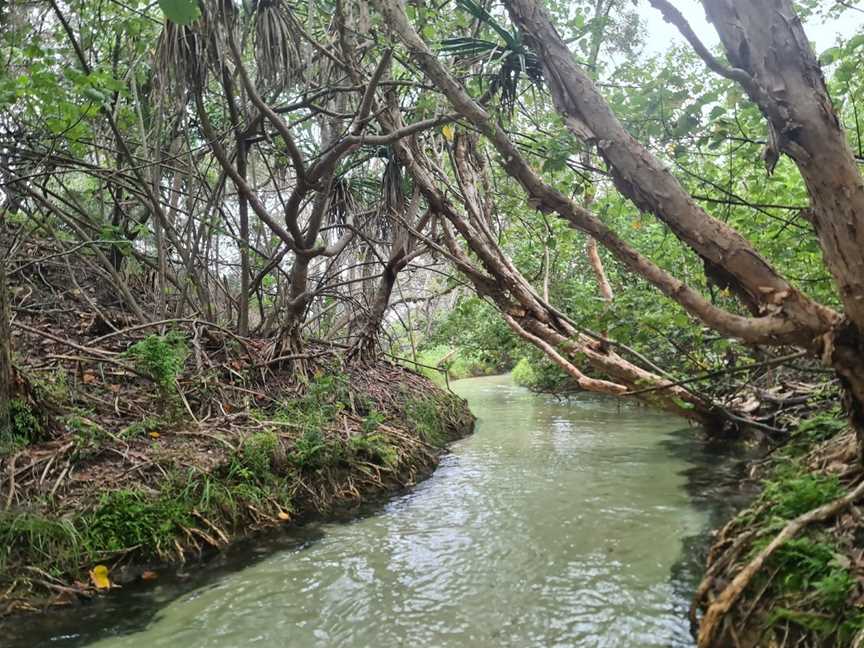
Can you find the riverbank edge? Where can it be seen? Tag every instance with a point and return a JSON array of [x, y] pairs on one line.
[[363, 436], [788, 569]]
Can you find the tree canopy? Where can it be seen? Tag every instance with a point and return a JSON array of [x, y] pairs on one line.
[[509, 176]]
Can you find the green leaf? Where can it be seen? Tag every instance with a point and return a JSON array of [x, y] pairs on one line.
[[182, 12], [855, 42], [829, 55], [93, 94]]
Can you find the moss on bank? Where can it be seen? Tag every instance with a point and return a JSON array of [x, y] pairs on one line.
[[167, 489], [809, 589]]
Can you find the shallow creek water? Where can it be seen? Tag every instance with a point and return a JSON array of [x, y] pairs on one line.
[[558, 523]]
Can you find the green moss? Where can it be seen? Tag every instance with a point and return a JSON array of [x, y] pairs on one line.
[[374, 448]]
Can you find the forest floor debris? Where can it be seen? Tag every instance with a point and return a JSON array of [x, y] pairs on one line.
[[135, 445]]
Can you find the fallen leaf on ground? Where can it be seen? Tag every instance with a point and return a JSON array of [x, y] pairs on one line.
[[99, 577]]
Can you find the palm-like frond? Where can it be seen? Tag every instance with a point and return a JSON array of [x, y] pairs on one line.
[[184, 53], [508, 61], [342, 205], [277, 44], [180, 53]]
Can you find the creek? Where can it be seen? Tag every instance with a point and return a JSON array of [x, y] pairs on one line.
[[577, 522]]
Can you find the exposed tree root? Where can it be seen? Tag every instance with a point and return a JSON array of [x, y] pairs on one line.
[[718, 627]]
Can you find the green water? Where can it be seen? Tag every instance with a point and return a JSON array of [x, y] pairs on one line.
[[555, 524]]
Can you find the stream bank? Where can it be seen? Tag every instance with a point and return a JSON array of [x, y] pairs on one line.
[[788, 569], [92, 507], [564, 522]]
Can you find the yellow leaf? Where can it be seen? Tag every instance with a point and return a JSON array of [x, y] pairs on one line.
[[154, 435], [449, 132], [282, 515], [99, 576]]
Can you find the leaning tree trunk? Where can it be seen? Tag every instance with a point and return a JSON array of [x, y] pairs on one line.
[[6, 376], [773, 61]]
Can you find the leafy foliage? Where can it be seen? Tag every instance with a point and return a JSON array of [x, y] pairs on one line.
[[162, 357]]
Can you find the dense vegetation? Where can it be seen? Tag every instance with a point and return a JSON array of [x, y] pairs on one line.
[[202, 200]]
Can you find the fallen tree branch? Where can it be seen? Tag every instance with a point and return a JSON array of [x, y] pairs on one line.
[[721, 372]]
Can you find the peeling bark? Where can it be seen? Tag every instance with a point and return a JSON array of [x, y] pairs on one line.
[[652, 188], [790, 317], [765, 39]]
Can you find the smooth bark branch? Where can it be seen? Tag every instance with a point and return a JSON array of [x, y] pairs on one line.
[[764, 329]]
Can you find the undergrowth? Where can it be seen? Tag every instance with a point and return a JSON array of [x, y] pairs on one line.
[[162, 358], [808, 586], [304, 452]]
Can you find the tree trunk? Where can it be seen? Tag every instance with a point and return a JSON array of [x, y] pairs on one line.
[[6, 375], [773, 61], [765, 41], [243, 306], [366, 345]]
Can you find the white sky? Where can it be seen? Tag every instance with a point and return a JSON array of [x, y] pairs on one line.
[[661, 35]]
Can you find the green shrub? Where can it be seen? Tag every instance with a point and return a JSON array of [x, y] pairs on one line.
[[375, 448], [372, 421], [811, 567], [310, 451], [26, 426], [822, 426], [53, 543], [257, 452], [142, 428], [425, 416], [325, 398], [523, 373], [161, 357], [128, 518]]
